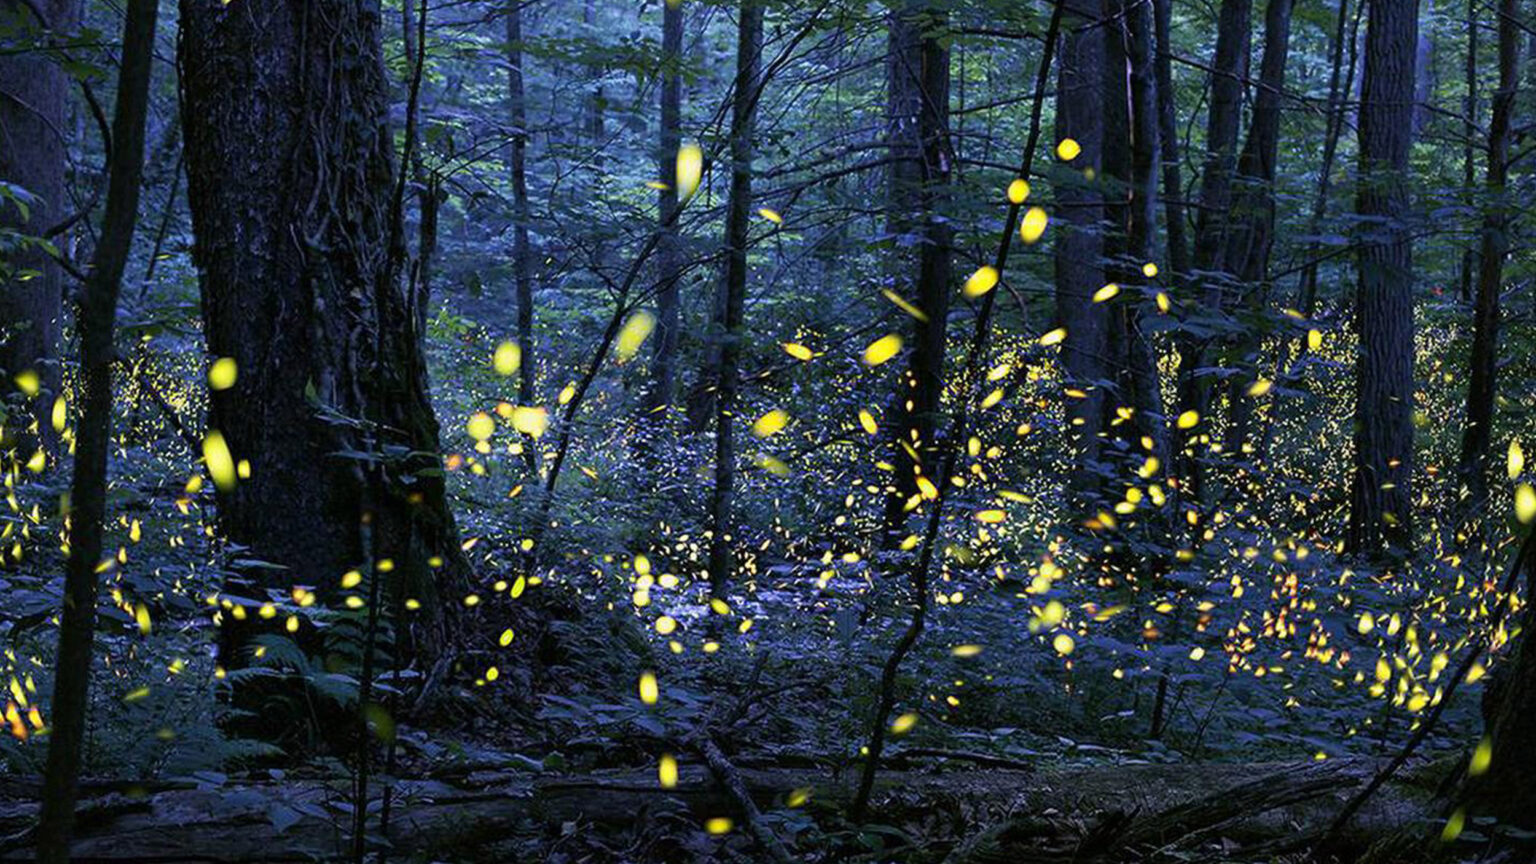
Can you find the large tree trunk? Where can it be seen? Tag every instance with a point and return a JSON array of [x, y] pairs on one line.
[[1380, 497], [1252, 226], [522, 249], [33, 91], [290, 172], [917, 75], [93, 441], [1482, 383], [733, 289], [669, 253], [1079, 245]]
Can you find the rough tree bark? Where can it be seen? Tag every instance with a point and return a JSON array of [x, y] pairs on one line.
[[1380, 511], [917, 78], [1079, 245], [733, 289], [33, 90], [88, 486], [290, 178], [1482, 378]]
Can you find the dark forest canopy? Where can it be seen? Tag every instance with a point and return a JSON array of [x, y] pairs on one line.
[[767, 430]]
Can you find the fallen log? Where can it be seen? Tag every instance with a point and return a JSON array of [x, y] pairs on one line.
[[1302, 796]]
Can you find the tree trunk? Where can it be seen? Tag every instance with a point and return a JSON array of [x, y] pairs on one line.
[[1530, 69], [33, 91], [1168, 137], [733, 289], [88, 486], [1482, 383], [918, 81], [1130, 169], [1229, 72], [1306, 294], [669, 254], [522, 249], [1340, 82], [290, 172], [1469, 146], [597, 100], [1380, 501], [1426, 77], [1079, 244], [1251, 235]]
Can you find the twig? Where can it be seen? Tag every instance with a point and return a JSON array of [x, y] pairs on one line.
[[187, 438], [983, 759], [726, 774]]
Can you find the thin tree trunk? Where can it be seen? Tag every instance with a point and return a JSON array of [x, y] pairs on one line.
[[1469, 146], [597, 100], [1131, 169], [1530, 69], [1340, 83], [622, 306], [1229, 71], [33, 91], [971, 371], [1381, 498], [88, 486], [1306, 295], [1078, 242], [522, 249], [1168, 136], [1482, 378], [1251, 236], [918, 80], [428, 185], [669, 255], [1425, 77], [733, 290]]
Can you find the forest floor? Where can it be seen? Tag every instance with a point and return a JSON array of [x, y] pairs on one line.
[[483, 805]]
